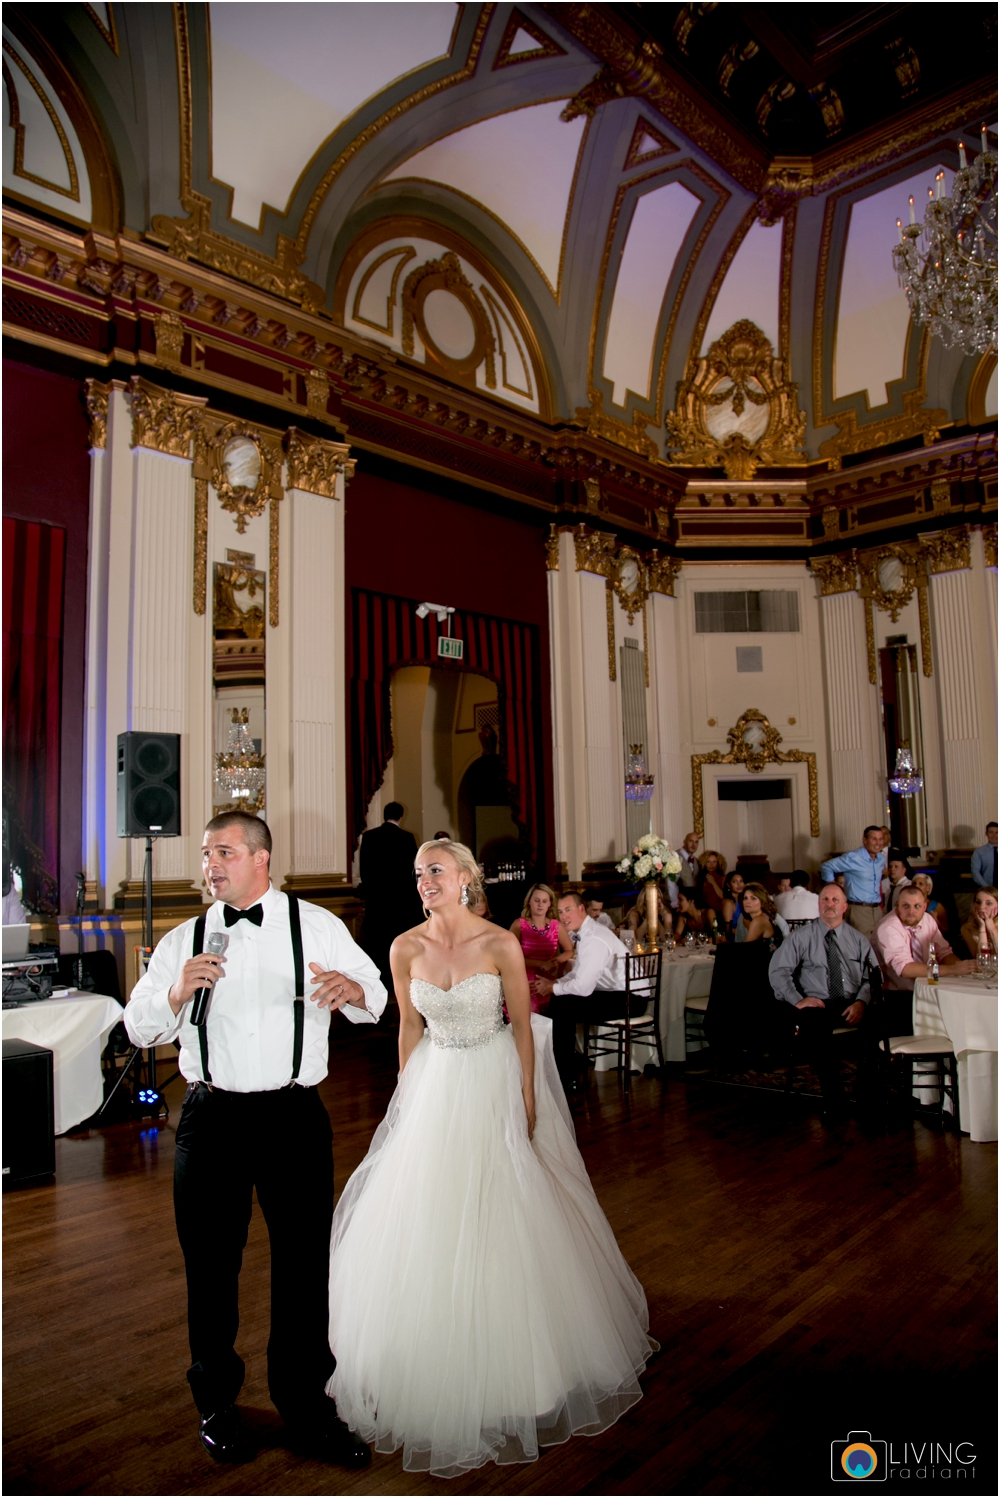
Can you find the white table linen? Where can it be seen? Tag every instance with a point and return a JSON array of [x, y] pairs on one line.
[[965, 1010], [75, 1030], [683, 975]]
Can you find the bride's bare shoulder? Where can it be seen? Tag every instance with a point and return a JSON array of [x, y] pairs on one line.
[[409, 943], [500, 942]]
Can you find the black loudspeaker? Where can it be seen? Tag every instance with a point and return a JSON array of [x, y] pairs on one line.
[[29, 1141], [149, 784]]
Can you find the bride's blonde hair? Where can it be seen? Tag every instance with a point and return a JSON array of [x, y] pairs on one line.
[[466, 863]]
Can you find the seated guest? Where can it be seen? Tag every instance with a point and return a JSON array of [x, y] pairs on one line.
[[798, 903], [934, 907], [757, 922], [898, 876], [636, 921], [594, 991], [480, 908], [982, 922], [784, 884], [442, 837], [731, 907], [595, 909], [690, 917], [822, 971], [904, 938], [543, 938], [711, 883], [984, 860]]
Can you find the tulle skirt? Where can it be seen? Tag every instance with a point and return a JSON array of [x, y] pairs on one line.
[[479, 1304]]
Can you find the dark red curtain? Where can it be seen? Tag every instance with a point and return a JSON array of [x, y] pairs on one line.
[[34, 558], [386, 633]]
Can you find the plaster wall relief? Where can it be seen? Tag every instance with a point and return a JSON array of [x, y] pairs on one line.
[[43, 160]]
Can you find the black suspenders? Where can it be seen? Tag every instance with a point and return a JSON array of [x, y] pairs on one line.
[[299, 1006]]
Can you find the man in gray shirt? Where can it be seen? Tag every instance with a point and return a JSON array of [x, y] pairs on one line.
[[823, 970]]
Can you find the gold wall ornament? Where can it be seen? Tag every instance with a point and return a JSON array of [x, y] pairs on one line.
[[888, 578], [599, 424], [595, 551], [246, 468], [317, 393], [446, 274], [836, 574], [163, 419], [96, 398], [628, 581], [831, 522], [661, 573], [948, 551], [552, 550], [736, 410], [940, 492], [753, 743], [314, 463], [168, 330], [273, 558], [990, 545], [200, 544], [232, 579], [870, 642]]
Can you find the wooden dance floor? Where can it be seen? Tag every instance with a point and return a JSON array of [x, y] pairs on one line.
[[803, 1285]]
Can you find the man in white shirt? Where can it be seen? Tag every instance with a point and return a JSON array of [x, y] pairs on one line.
[[798, 903], [592, 991], [252, 1118], [596, 911]]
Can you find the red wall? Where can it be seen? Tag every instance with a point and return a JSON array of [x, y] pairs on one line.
[[416, 543], [46, 477]]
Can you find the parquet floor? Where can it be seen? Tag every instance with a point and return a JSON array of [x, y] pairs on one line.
[[803, 1284]]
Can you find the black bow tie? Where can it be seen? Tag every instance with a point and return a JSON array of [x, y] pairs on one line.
[[254, 914]]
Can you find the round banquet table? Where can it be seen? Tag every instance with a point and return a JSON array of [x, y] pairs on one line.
[[965, 1010], [682, 976], [75, 1030]]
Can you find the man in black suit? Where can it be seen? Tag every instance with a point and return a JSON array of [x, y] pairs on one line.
[[388, 887]]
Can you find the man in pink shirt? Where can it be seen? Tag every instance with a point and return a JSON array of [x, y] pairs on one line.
[[903, 940]]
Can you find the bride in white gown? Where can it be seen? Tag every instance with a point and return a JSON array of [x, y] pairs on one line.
[[479, 1304]]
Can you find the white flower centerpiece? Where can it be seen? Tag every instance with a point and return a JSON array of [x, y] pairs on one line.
[[651, 860]]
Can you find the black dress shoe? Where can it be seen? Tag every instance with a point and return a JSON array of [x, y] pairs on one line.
[[222, 1436], [328, 1439]]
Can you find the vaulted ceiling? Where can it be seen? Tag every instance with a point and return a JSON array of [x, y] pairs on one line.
[[560, 207]]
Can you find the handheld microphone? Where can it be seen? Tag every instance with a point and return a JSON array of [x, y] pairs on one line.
[[218, 941]]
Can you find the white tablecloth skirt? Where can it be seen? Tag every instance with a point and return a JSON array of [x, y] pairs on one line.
[[681, 977], [75, 1031], [965, 1010]]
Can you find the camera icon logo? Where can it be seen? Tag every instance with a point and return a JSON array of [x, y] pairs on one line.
[[858, 1459]]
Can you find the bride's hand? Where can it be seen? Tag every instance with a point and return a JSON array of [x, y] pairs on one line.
[[529, 1108]]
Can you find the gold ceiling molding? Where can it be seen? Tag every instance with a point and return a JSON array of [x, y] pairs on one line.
[[597, 423], [754, 743], [73, 190], [948, 551], [714, 424], [109, 32], [163, 420], [96, 398], [729, 254], [858, 438], [975, 404], [990, 545], [314, 464], [644, 130], [446, 274], [520, 22], [836, 574], [888, 578]]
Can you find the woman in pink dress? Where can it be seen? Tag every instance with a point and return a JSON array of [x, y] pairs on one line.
[[544, 941]]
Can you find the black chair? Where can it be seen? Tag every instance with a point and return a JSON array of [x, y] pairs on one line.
[[742, 1015], [641, 1021], [847, 1035]]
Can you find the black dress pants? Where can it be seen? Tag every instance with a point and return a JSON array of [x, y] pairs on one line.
[[566, 1011], [816, 1027], [280, 1142]]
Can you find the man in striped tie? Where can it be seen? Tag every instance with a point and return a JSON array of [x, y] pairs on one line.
[[822, 970]]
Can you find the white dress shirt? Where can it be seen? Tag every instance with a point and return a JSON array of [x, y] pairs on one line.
[[797, 904], [600, 962], [250, 1024]]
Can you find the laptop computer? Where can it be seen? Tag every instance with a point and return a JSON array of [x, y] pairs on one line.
[[15, 942]]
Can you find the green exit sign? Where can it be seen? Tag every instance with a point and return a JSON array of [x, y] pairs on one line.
[[453, 649]]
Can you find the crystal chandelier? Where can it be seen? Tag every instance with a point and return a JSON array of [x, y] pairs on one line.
[[239, 772], [907, 779], [638, 785], [951, 280]]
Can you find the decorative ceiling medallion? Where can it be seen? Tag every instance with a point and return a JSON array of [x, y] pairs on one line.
[[737, 411], [446, 275], [515, 46], [754, 743], [647, 144]]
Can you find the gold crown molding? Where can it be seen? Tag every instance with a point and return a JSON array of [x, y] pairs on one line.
[[837, 574], [785, 295], [754, 743], [948, 551], [552, 549], [597, 423], [990, 545], [73, 191], [96, 399], [743, 356], [315, 464], [163, 419], [854, 438], [518, 21]]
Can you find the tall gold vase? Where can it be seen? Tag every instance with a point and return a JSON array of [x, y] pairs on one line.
[[652, 903]]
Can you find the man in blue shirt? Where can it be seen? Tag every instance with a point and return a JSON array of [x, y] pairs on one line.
[[984, 860], [862, 869]]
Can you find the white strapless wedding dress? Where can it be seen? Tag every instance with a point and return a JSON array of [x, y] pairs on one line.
[[479, 1304]]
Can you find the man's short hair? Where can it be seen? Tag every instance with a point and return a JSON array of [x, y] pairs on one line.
[[799, 879], [991, 824], [873, 828], [911, 889], [256, 832], [574, 895], [593, 894], [832, 884], [393, 812]]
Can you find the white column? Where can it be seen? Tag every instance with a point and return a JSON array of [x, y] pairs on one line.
[[604, 752], [671, 806], [958, 689], [94, 758], [852, 722]]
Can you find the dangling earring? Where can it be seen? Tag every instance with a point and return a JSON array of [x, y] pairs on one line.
[[465, 895]]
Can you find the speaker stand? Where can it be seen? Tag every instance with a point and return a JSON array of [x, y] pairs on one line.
[[147, 933]]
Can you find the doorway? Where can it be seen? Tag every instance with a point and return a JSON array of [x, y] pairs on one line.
[[755, 818]]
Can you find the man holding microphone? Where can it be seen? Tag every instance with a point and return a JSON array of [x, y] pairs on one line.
[[252, 1118]]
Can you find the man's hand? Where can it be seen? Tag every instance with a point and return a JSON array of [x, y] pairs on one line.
[[335, 990], [202, 971], [960, 966], [810, 1004], [854, 1013], [543, 987]]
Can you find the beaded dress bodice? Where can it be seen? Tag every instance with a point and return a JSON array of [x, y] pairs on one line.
[[468, 1014]]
